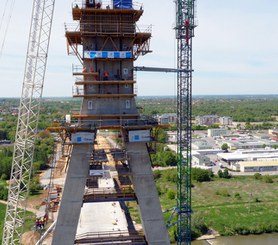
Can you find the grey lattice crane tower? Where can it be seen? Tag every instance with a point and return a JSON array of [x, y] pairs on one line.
[[36, 59]]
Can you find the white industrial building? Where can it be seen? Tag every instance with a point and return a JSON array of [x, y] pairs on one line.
[[213, 132], [268, 165], [200, 144], [252, 160], [201, 160]]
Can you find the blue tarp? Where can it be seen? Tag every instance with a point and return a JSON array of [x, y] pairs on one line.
[[122, 4]]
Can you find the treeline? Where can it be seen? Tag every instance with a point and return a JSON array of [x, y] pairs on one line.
[[241, 108], [52, 110], [44, 146]]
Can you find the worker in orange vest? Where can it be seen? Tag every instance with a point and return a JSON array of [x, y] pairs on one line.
[[105, 76]]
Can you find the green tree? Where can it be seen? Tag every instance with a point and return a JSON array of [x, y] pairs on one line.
[[220, 173], [224, 147], [226, 174], [201, 175]]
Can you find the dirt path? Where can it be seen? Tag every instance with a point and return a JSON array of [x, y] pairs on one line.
[[32, 210]]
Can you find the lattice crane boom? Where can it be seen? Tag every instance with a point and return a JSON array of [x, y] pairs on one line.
[[39, 36], [185, 24]]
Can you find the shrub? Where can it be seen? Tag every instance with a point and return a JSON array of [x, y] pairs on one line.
[[4, 176], [34, 187], [226, 174], [171, 194], [220, 173], [3, 193], [237, 196], [156, 174], [222, 192], [267, 179], [171, 176], [256, 199], [158, 188], [201, 175], [257, 176]]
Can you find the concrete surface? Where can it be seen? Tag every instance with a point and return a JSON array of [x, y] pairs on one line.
[[72, 197], [101, 218], [148, 199]]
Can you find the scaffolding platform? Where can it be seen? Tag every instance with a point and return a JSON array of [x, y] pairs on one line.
[[109, 195], [118, 154], [98, 156], [129, 238]]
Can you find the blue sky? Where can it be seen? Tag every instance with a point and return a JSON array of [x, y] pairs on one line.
[[234, 50]]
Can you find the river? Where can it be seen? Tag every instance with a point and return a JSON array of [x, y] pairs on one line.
[[265, 239]]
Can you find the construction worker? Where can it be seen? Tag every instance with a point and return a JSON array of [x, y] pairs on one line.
[[98, 5], [37, 224], [105, 75]]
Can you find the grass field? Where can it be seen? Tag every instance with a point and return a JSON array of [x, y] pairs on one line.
[[2, 218], [240, 205]]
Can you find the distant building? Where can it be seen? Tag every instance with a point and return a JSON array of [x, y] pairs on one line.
[[273, 134], [200, 160], [225, 121], [213, 119], [268, 165], [172, 136], [200, 144], [168, 118], [207, 120], [248, 143], [251, 155], [212, 132]]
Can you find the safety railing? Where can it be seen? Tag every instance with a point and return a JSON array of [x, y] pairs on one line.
[[104, 4], [114, 122], [78, 69], [102, 27], [72, 27], [113, 237], [77, 91]]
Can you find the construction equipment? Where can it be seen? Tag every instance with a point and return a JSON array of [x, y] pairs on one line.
[[36, 59], [39, 36], [185, 24]]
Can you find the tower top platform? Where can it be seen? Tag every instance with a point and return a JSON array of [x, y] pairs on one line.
[[107, 7]]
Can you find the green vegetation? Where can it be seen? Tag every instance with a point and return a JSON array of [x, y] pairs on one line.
[[224, 174], [201, 175], [233, 205], [29, 221], [2, 218], [163, 156], [240, 108]]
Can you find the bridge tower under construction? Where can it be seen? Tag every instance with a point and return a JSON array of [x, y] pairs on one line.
[[103, 180]]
